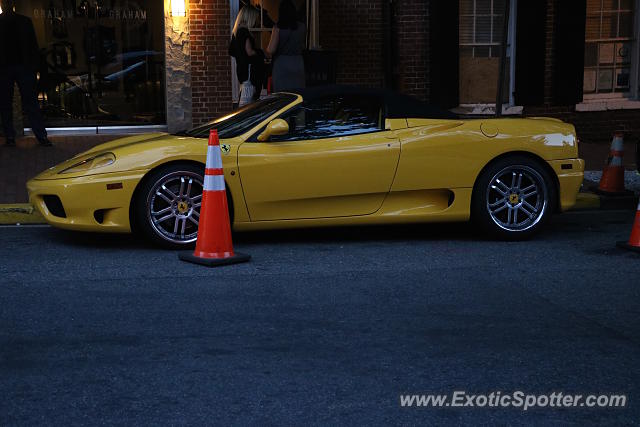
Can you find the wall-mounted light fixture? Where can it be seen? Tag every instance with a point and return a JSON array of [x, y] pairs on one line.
[[178, 8]]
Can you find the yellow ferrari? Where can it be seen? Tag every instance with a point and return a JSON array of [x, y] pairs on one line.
[[332, 156]]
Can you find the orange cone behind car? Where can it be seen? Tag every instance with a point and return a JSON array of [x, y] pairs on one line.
[[214, 246], [634, 241], [612, 180]]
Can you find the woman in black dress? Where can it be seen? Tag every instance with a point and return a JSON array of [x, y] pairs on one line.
[[249, 59]]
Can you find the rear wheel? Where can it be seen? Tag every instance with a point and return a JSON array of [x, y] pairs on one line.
[[513, 198]]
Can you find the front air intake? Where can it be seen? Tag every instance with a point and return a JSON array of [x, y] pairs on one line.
[[54, 206]]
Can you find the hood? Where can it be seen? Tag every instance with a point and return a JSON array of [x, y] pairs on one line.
[[141, 153], [123, 142], [134, 153]]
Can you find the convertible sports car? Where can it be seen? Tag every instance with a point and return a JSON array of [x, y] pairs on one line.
[[324, 157]]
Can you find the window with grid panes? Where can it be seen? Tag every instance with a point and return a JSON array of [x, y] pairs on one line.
[[609, 47]]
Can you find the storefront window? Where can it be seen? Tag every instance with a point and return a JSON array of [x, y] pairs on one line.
[[102, 62]]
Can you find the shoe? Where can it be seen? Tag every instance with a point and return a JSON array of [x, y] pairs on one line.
[[10, 142], [45, 142]]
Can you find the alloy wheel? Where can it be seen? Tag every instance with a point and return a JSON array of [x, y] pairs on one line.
[[517, 198], [173, 206]]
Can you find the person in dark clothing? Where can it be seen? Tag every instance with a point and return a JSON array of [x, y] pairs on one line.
[[249, 59], [19, 59], [285, 47]]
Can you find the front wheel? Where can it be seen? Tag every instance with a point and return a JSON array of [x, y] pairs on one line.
[[513, 198], [167, 205]]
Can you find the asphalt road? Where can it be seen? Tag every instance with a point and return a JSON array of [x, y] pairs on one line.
[[322, 327]]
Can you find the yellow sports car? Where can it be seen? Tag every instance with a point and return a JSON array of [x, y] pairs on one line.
[[324, 157]]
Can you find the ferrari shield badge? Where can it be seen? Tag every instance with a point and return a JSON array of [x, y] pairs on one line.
[[225, 148]]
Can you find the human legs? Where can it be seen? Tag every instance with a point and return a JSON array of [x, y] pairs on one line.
[[27, 84], [6, 103]]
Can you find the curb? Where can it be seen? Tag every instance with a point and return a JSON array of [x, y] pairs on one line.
[[20, 213], [586, 201], [590, 201], [627, 202]]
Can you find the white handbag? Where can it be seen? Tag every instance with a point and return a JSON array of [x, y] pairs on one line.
[[247, 91]]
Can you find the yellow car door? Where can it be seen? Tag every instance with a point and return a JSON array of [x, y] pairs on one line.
[[335, 160]]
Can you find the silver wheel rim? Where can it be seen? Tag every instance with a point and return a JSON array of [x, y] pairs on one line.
[[173, 206], [517, 198]]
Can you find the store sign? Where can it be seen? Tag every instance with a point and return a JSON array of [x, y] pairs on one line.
[[53, 14], [118, 14]]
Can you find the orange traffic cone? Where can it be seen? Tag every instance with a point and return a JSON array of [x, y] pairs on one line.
[[214, 246], [634, 241], [612, 180]]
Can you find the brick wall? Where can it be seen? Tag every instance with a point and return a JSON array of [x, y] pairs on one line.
[[354, 30], [411, 28], [209, 22], [549, 52]]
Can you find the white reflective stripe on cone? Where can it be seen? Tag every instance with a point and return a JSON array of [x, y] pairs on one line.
[[214, 158], [616, 161], [617, 144], [214, 183]]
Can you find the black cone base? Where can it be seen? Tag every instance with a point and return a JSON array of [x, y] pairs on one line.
[[625, 245], [214, 262], [613, 193]]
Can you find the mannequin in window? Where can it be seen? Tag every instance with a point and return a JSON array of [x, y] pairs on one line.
[[250, 67], [286, 46]]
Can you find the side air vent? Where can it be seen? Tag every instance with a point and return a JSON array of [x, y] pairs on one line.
[[99, 216], [452, 197]]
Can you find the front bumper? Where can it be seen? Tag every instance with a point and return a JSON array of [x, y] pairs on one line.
[[87, 203], [570, 175]]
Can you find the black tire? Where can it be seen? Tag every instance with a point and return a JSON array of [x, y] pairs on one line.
[[513, 212], [144, 203]]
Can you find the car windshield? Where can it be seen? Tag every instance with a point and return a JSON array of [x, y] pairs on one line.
[[243, 119]]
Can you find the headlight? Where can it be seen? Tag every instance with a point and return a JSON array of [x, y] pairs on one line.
[[98, 161]]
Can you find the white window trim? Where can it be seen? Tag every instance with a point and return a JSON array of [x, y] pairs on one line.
[[509, 108], [618, 100], [487, 110], [513, 15]]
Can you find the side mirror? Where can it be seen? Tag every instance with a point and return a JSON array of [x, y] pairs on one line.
[[275, 127]]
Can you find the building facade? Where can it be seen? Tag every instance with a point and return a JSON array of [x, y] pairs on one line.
[[122, 65]]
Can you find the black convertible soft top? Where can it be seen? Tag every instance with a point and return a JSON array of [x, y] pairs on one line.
[[398, 106]]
